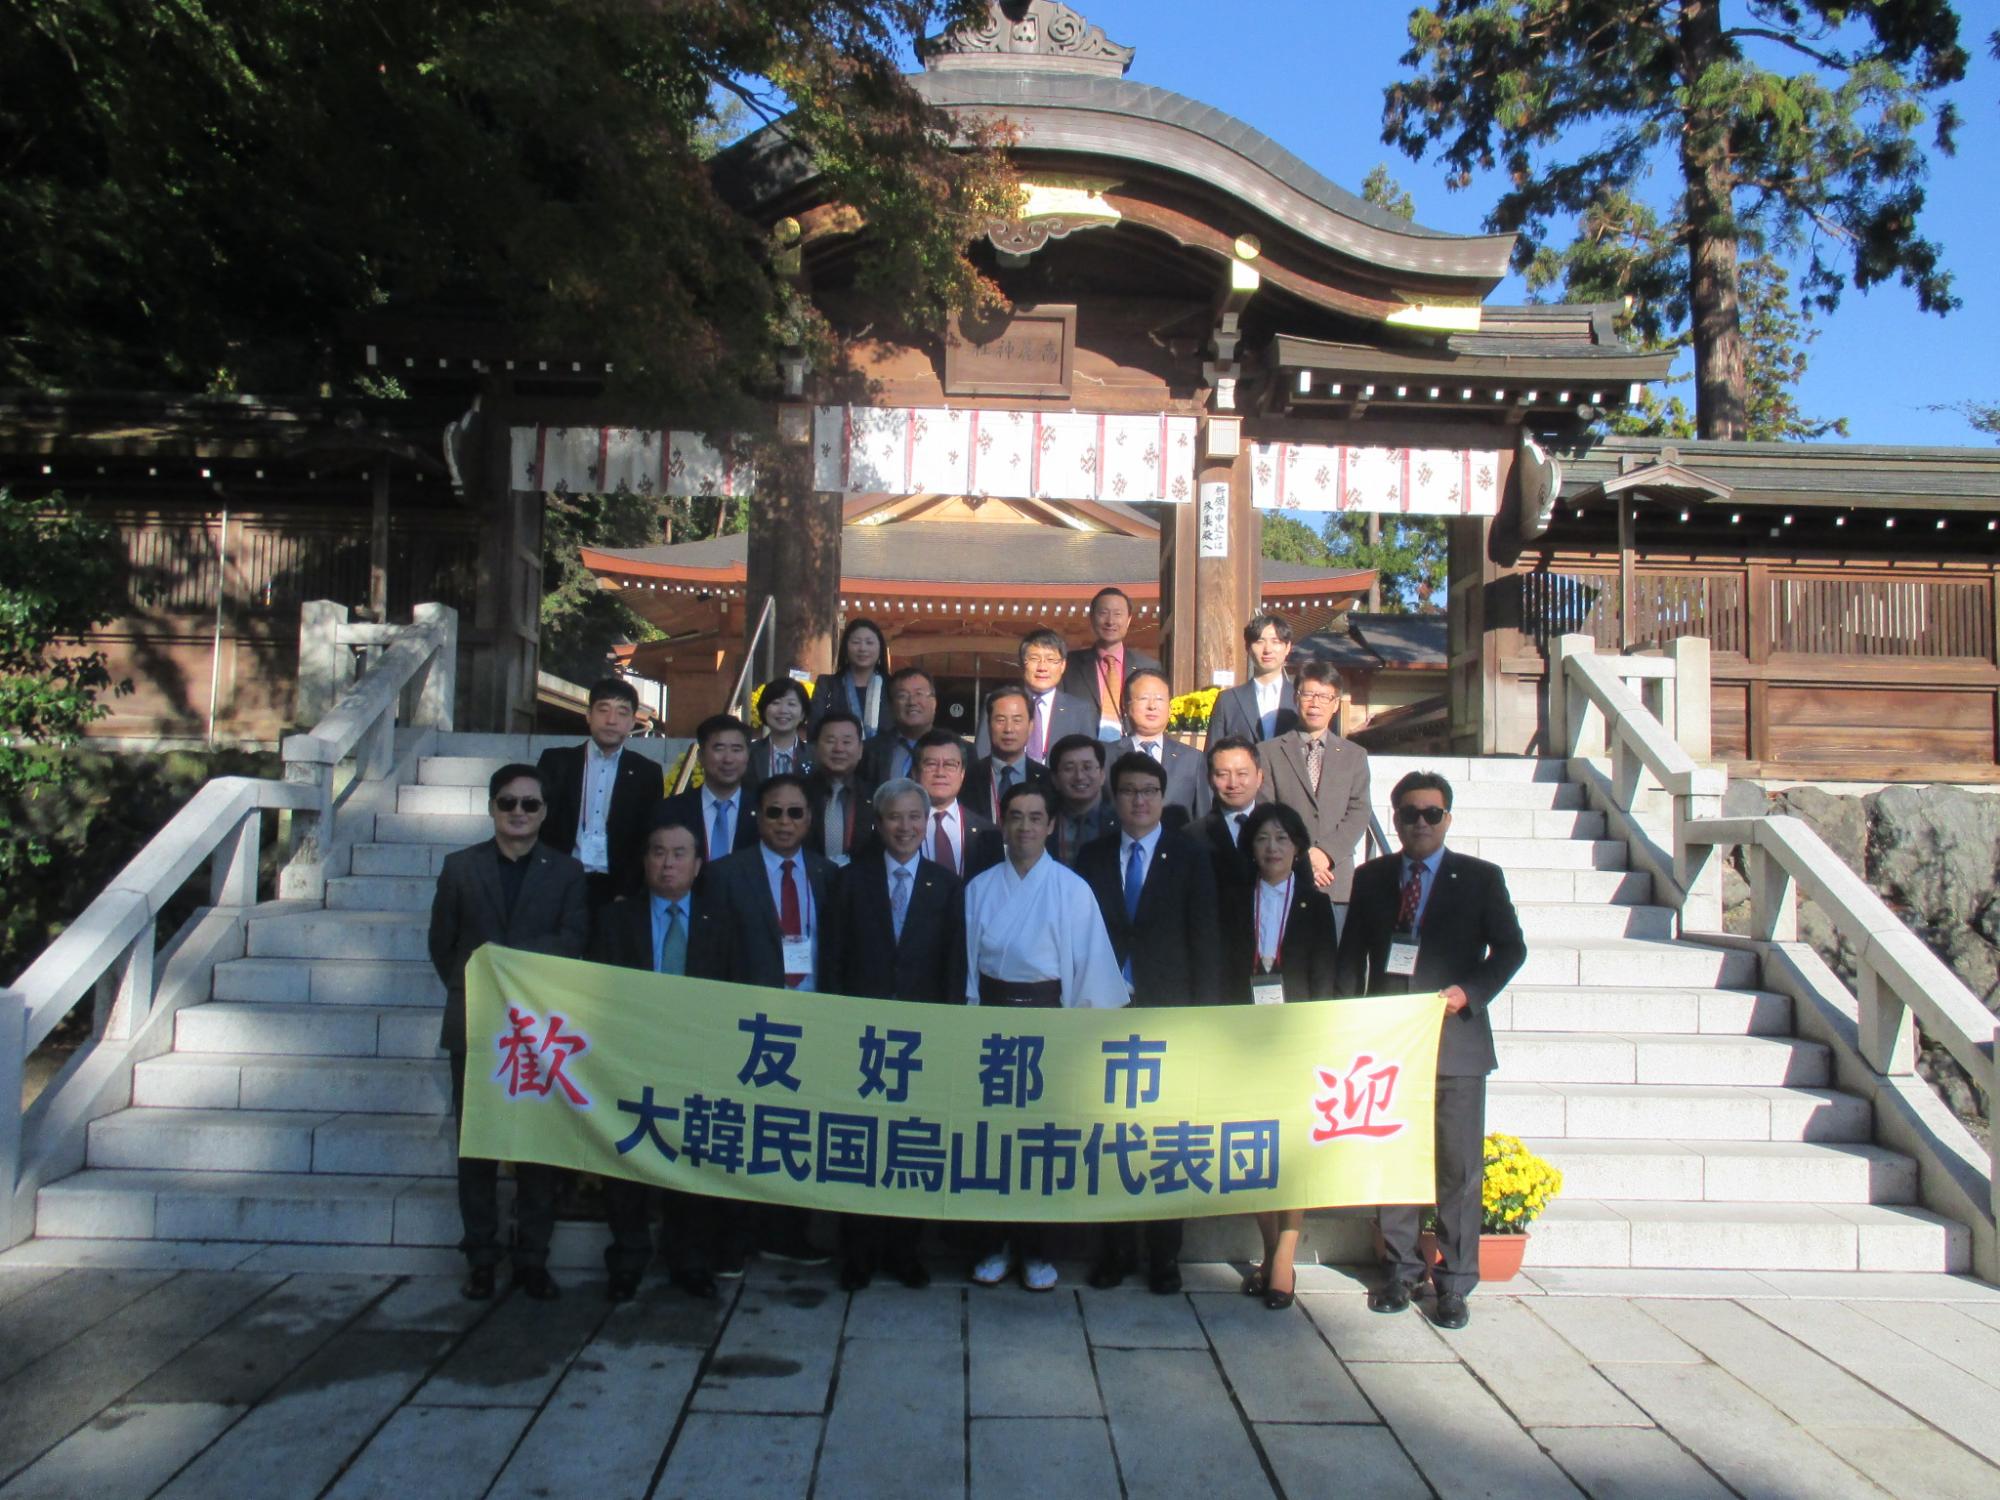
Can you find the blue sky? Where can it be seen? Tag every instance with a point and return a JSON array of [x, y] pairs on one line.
[[1310, 74]]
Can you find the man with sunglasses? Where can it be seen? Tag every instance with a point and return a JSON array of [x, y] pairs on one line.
[[1422, 920], [513, 890]]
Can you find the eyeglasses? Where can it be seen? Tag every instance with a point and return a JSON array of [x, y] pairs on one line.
[[1319, 697], [526, 804], [1138, 790], [1409, 817], [784, 812]]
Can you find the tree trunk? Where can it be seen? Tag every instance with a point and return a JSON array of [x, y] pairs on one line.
[[1721, 371], [794, 556]]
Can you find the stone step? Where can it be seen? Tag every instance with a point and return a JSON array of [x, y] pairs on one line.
[[402, 860], [273, 1207], [1461, 770], [1633, 1010], [241, 1140], [329, 981], [276, 1029], [453, 831], [341, 934], [483, 754], [1613, 963], [1580, 887], [1731, 1171], [1545, 920], [1746, 1236], [243, 1080], [1544, 854], [1471, 795], [381, 892], [1595, 1057], [1675, 1112]]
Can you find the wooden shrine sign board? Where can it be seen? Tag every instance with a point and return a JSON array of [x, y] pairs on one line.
[[1029, 354]]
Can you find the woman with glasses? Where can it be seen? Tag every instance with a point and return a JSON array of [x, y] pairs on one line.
[[859, 681], [1278, 939]]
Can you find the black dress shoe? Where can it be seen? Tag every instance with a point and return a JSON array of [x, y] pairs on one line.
[[1165, 1279], [1393, 1298], [912, 1272], [1254, 1284], [694, 1283], [795, 1249], [1279, 1301], [1108, 1273], [622, 1287], [730, 1264], [854, 1275], [478, 1285], [536, 1284], [1451, 1311]]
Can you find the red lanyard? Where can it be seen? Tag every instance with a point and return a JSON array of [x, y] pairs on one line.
[[1284, 921]]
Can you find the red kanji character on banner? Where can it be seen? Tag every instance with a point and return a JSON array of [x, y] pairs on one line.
[[1351, 1107], [532, 1067]]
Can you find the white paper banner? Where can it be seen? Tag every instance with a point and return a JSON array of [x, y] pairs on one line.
[[1390, 481]]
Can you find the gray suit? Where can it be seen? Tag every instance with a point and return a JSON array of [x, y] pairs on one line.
[[1336, 816]]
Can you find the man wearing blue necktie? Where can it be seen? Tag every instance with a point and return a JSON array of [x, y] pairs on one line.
[[667, 930]]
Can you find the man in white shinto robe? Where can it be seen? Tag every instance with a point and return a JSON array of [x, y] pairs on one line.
[[1034, 939]]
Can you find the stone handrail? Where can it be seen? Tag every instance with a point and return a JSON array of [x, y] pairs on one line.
[[1900, 983], [112, 948]]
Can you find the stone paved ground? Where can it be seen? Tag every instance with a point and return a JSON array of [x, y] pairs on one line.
[[226, 1371]]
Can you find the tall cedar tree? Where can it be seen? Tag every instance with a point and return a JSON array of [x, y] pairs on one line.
[[197, 195], [1828, 158]]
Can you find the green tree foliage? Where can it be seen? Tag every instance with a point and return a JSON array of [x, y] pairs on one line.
[[1576, 101], [1410, 556], [199, 196], [59, 579], [1382, 190], [1287, 540]]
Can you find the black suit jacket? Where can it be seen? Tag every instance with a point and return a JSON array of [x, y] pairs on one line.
[[828, 694], [752, 947], [760, 761], [818, 789], [979, 838], [1187, 775], [1231, 861], [1336, 816], [469, 908], [1235, 712], [879, 757], [977, 793], [1469, 937], [1175, 945], [684, 810], [624, 935], [1068, 714], [1306, 957], [862, 955], [634, 792], [1079, 678]]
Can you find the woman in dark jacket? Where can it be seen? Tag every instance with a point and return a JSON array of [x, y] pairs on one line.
[[782, 705], [859, 681], [1278, 940]]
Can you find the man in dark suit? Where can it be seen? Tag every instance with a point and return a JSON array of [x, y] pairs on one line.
[[842, 816], [895, 930], [511, 890], [1082, 811], [1430, 919], [1156, 891], [772, 904], [1008, 721], [1098, 676], [721, 811], [1266, 706], [1233, 779], [956, 835], [913, 706], [601, 796], [1324, 779], [1052, 713], [665, 929], [1148, 706]]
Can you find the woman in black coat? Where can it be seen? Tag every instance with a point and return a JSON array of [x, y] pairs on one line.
[[1278, 940], [859, 681]]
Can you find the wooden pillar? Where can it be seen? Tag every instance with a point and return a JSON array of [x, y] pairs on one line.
[[1625, 526], [378, 540], [1209, 577], [794, 558], [504, 643], [1180, 534]]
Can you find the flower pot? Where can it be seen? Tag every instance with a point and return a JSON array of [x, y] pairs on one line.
[[1499, 1254]]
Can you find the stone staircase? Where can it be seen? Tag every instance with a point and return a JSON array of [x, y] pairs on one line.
[[304, 1102]]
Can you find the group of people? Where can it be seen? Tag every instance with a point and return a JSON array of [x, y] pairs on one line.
[[1075, 854]]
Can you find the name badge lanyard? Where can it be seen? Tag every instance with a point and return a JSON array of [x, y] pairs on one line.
[[1284, 921]]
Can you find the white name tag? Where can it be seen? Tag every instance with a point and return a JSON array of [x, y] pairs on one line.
[[1267, 991], [798, 958], [592, 852], [1402, 954]]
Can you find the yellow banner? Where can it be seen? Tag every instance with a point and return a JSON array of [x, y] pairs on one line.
[[948, 1111]]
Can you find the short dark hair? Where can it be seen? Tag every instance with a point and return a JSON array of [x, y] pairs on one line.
[[514, 771], [716, 724], [1140, 761], [1006, 690], [1285, 817], [1323, 672], [1110, 591], [659, 828], [904, 674], [779, 687], [1047, 639], [839, 716], [779, 782], [1229, 742], [1073, 742], [1260, 623], [1137, 673], [607, 688], [1022, 789], [1420, 781], [931, 738]]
